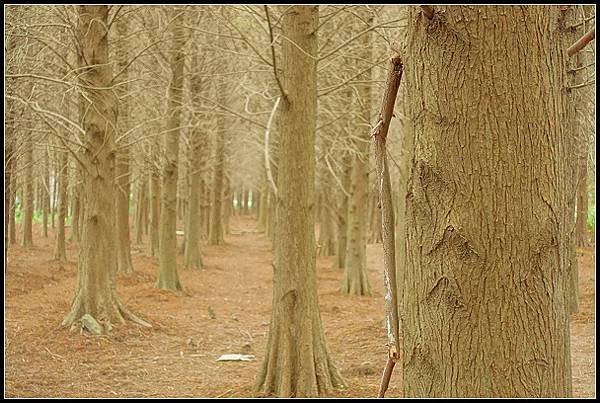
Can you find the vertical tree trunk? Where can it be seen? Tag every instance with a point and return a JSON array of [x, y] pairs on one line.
[[154, 213], [140, 209], [124, 265], [581, 237], [342, 214], [96, 290], [9, 158], [192, 255], [45, 194], [355, 279], [167, 276], [297, 362], [326, 228], [485, 301], [63, 178], [12, 225], [215, 233], [28, 195]]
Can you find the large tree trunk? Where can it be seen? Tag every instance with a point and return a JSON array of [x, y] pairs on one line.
[[59, 242], [297, 362], [167, 275], [485, 301], [355, 279], [96, 289]]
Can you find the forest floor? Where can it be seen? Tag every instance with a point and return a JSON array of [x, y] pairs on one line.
[[177, 357]]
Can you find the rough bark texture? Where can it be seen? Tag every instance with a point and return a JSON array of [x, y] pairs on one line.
[[355, 279], [168, 278], [297, 362], [96, 290], [485, 300]]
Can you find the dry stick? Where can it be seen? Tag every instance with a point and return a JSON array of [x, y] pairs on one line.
[[428, 11], [387, 217], [582, 42], [267, 159]]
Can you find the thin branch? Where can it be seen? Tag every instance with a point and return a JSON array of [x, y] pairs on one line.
[[361, 33], [267, 160], [582, 42], [283, 94]]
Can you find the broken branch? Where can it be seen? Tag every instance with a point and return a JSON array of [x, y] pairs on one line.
[[387, 217], [582, 42]]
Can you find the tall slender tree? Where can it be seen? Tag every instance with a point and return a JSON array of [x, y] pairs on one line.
[[296, 361], [167, 272]]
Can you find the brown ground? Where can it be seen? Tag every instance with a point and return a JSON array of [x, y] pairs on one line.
[[177, 357]]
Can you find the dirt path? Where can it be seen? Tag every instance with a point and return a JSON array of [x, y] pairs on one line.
[[177, 357]]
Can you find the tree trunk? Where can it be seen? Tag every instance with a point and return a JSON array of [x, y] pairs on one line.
[[59, 243], [9, 158], [342, 214], [154, 213], [167, 276], [192, 254], [355, 279], [12, 225], [124, 265], [297, 362], [28, 195], [45, 194], [326, 230], [96, 289], [485, 301], [215, 233], [140, 209], [581, 238]]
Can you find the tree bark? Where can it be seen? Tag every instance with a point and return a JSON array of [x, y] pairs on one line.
[[485, 301], [96, 289], [167, 275], [297, 362]]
